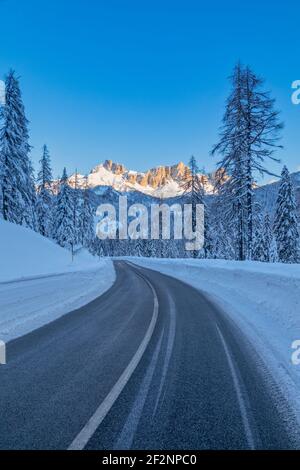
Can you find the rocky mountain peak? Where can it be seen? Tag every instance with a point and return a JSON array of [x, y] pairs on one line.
[[161, 181], [116, 168]]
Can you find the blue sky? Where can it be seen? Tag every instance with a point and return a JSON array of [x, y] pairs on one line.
[[144, 82]]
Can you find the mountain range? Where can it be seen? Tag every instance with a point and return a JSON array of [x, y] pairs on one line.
[[160, 182], [165, 182]]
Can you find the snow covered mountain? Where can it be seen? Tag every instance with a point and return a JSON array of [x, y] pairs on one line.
[[162, 181]]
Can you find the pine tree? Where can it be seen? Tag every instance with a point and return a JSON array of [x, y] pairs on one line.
[[270, 247], [16, 178], [286, 229], [86, 230], [232, 148], [249, 136], [44, 194], [63, 229], [75, 197], [97, 248], [222, 231], [192, 186], [221, 242], [194, 195], [258, 253], [262, 130]]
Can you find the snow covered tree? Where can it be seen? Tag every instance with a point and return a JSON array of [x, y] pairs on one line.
[[63, 228], [16, 172], [222, 246], [97, 248], [192, 186], [258, 253], [194, 194], [222, 231], [262, 135], [286, 229], [270, 247], [232, 148], [86, 229], [249, 136], [75, 197], [139, 247], [44, 194]]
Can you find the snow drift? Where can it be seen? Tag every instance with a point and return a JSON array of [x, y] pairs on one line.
[[39, 282], [25, 253]]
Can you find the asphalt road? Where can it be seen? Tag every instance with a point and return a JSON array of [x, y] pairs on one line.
[[151, 364]]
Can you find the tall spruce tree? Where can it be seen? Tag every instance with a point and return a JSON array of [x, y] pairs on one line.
[[16, 174], [75, 195], [258, 253], [194, 195], [262, 135], [86, 229], [286, 228], [230, 181], [270, 247], [44, 194], [63, 228]]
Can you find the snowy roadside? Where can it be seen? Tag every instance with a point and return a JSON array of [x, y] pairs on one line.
[[30, 303], [263, 299], [39, 282]]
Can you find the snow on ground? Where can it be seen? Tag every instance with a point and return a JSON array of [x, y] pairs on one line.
[[263, 299], [39, 282], [25, 253]]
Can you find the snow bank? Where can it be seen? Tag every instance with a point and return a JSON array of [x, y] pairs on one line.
[[263, 299], [39, 282], [25, 253]]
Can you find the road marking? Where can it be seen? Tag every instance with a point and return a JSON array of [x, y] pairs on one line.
[[240, 398], [128, 432], [169, 350], [90, 428]]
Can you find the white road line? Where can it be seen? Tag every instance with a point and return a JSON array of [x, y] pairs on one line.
[[128, 432], [242, 405], [90, 428], [169, 350]]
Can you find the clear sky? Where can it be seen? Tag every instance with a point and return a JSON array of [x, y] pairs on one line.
[[144, 82]]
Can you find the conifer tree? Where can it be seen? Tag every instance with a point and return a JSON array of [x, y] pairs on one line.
[[86, 229], [249, 136], [286, 229], [44, 194], [63, 228], [16, 172], [75, 197], [258, 253], [270, 247], [231, 147], [194, 195]]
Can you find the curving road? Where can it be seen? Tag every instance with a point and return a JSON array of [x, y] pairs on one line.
[[151, 364]]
